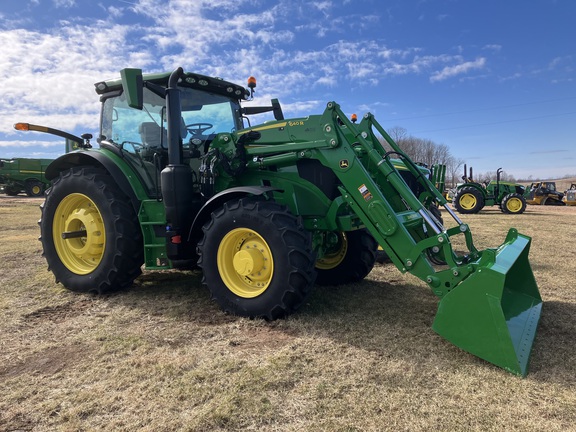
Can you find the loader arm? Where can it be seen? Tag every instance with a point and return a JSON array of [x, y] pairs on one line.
[[380, 197], [489, 300]]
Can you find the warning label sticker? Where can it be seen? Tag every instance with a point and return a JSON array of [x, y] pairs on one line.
[[365, 192]]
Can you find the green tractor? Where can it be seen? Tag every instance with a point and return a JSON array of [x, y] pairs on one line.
[[269, 210], [471, 196]]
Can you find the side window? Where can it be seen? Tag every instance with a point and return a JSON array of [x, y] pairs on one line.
[[127, 127]]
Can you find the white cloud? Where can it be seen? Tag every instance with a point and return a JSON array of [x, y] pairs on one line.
[[48, 75], [64, 3], [35, 144], [459, 69], [492, 47]]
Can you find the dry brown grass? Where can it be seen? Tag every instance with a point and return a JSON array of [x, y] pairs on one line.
[[362, 357]]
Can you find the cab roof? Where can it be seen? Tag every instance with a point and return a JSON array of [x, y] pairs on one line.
[[189, 79]]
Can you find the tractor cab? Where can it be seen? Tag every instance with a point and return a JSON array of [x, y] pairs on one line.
[[208, 106]]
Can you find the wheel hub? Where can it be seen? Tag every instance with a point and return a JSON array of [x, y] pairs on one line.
[[514, 205], [88, 219], [248, 261], [468, 201], [79, 234], [245, 262]]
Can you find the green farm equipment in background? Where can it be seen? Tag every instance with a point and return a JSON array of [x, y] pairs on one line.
[[267, 210], [471, 196], [26, 175]]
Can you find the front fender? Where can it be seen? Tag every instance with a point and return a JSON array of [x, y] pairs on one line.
[[218, 201]]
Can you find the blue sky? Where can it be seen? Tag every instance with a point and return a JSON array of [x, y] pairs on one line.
[[495, 81]]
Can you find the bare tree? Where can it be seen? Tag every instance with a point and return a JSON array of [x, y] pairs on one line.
[[397, 133], [453, 171]]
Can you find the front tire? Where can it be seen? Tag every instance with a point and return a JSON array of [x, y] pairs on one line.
[[90, 233], [513, 203], [257, 259], [350, 260]]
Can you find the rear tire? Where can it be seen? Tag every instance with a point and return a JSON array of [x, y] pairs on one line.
[[469, 200], [257, 259], [104, 248], [350, 261], [513, 203]]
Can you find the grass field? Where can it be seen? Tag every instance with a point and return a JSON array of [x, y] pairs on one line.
[[361, 357]]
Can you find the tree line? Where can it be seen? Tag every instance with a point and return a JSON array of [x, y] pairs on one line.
[[428, 152]]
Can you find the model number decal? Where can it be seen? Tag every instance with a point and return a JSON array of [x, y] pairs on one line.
[[296, 123]]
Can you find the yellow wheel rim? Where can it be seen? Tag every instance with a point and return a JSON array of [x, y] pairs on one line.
[[78, 219], [245, 262], [514, 205], [36, 190], [335, 255], [468, 201]]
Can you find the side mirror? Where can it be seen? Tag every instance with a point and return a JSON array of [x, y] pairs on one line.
[[132, 84]]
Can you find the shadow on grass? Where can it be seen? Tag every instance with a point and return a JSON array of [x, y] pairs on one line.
[[395, 321], [390, 320]]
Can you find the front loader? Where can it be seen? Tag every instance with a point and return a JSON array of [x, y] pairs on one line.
[[268, 210]]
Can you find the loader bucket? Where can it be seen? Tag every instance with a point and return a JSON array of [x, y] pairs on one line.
[[494, 313]]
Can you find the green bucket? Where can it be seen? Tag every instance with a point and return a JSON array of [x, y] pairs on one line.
[[494, 313]]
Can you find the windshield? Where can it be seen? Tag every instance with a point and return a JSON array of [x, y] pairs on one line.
[[124, 125]]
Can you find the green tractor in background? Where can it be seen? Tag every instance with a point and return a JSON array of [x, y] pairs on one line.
[[471, 196], [268, 210]]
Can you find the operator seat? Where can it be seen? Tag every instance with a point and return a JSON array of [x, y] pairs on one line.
[[154, 138], [151, 135]]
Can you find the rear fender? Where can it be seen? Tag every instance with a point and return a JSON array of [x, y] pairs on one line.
[[100, 160]]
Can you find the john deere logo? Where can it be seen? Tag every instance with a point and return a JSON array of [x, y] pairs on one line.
[[344, 163]]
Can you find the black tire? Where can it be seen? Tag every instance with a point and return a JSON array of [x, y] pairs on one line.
[[276, 278], [381, 256], [11, 191], [513, 203], [35, 188], [435, 210], [350, 260], [109, 255], [469, 200]]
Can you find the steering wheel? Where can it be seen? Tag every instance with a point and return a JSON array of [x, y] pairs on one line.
[[198, 128]]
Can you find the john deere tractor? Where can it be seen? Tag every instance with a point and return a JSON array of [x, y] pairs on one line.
[[471, 196], [268, 210]]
